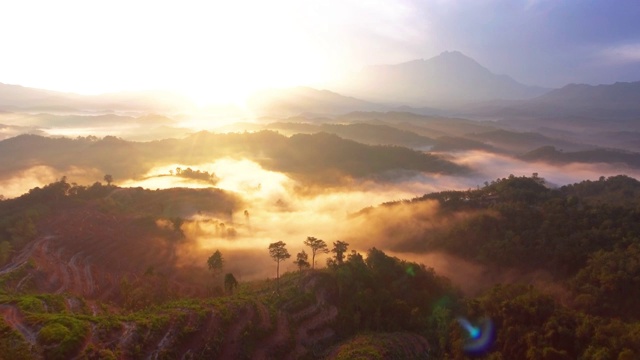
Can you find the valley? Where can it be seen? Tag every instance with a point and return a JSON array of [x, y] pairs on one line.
[[429, 208]]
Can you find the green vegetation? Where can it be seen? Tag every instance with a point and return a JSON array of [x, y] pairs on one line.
[[215, 263], [585, 237], [12, 344], [317, 246], [61, 336], [278, 253], [518, 222], [612, 156], [314, 159], [302, 260], [380, 346], [189, 173]]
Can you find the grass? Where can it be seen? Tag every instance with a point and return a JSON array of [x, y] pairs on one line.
[[61, 336], [12, 344], [61, 333]]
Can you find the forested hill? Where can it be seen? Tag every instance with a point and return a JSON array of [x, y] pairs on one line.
[[585, 239], [90, 272], [319, 158], [610, 156], [519, 222]]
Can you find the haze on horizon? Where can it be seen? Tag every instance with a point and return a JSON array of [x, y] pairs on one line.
[[221, 52]]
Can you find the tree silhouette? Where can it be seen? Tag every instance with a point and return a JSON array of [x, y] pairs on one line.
[[302, 260], [317, 246], [109, 179], [339, 248], [278, 252], [216, 263], [230, 283]]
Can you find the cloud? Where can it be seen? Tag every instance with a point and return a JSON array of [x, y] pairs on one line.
[[622, 54], [490, 166], [277, 210], [20, 182]]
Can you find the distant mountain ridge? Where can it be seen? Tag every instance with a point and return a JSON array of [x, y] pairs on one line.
[[20, 98], [300, 100], [450, 78], [619, 98], [610, 156], [618, 101]]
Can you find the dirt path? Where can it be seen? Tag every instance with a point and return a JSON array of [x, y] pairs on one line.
[[14, 319], [23, 281], [231, 346], [127, 332], [166, 341], [280, 336], [73, 305], [91, 286], [66, 277], [24, 255], [76, 282]]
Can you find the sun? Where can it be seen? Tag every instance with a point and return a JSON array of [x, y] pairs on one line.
[[213, 52]]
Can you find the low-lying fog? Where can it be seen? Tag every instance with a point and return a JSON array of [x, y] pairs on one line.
[[279, 209]]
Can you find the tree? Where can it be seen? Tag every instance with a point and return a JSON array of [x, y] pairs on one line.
[[230, 283], [278, 252], [216, 263], [177, 225], [109, 179], [317, 246], [302, 260], [339, 248]]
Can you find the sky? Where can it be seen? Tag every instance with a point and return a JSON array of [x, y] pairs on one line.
[[225, 49]]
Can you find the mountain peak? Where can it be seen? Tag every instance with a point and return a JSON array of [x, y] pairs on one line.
[[453, 54], [448, 79], [444, 57]]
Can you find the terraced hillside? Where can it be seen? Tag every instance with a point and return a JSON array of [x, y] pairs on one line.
[[93, 275]]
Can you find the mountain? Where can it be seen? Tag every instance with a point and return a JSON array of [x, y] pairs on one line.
[[370, 134], [316, 159], [306, 100], [620, 100], [576, 112], [450, 78], [20, 98], [609, 156], [429, 126], [522, 142]]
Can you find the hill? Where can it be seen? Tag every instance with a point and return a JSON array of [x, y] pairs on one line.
[[312, 159], [552, 155], [619, 100], [93, 275], [96, 274], [301, 100], [425, 125], [450, 78], [371, 134], [580, 103], [19, 98], [521, 142]]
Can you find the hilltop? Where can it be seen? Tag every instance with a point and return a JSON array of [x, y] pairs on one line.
[[92, 272]]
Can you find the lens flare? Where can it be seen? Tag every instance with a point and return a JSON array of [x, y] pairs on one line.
[[480, 337]]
